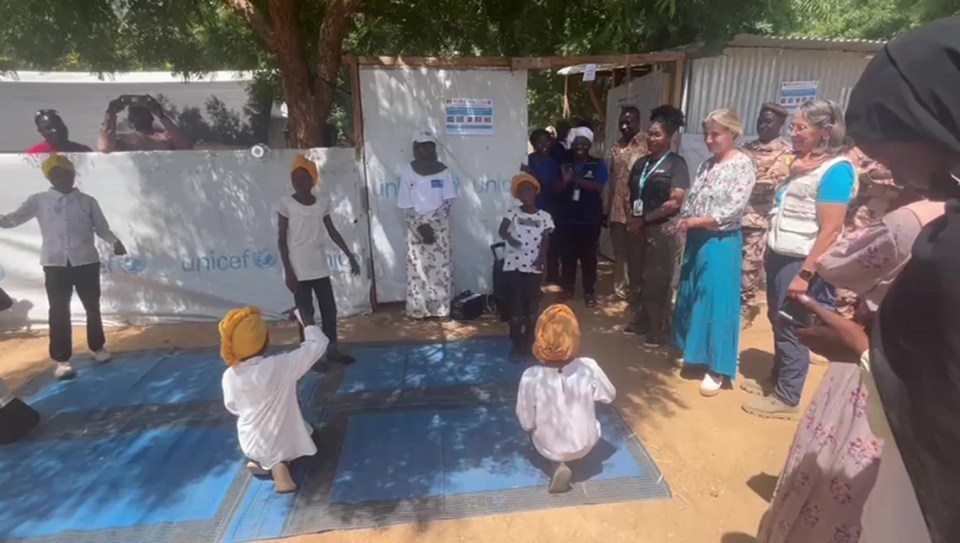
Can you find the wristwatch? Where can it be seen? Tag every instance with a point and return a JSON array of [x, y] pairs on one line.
[[806, 275]]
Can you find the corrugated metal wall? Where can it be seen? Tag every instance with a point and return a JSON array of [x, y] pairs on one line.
[[744, 78]]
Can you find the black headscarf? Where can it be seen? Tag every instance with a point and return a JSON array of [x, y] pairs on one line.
[[911, 93]]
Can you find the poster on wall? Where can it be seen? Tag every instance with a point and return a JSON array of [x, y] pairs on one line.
[[795, 93], [469, 116]]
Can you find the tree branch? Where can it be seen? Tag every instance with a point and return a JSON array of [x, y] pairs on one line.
[[249, 13], [333, 30]]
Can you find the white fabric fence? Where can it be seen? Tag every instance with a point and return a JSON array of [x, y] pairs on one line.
[[200, 227]]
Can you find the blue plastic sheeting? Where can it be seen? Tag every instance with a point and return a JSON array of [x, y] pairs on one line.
[[416, 366], [132, 380], [159, 476], [429, 453]]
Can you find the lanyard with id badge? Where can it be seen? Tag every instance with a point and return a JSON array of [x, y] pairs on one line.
[[638, 203]]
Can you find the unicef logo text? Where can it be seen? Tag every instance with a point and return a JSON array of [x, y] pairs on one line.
[[223, 262], [129, 264], [389, 189]]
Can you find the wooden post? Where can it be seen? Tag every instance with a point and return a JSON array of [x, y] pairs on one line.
[[678, 76], [566, 97], [364, 188]]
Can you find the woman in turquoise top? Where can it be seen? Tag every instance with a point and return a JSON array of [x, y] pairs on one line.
[[807, 219]]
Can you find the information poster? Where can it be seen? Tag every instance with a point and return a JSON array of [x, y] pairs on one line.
[[795, 93], [469, 116]]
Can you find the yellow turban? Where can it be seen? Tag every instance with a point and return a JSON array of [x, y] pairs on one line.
[[242, 335], [557, 335], [520, 179], [56, 161], [307, 164]]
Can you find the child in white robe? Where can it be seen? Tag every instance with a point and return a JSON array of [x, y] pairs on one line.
[[262, 392], [556, 400]]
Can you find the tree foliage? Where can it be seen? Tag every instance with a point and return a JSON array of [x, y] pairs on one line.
[[290, 44]]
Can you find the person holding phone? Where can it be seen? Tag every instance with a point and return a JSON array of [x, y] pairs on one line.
[[581, 215], [426, 194], [143, 113], [808, 216]]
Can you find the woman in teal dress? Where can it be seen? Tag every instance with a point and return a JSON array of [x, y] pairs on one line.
[[707, 318]]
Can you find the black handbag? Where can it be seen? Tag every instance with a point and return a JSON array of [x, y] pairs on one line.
[[6, 302], [467, 306]]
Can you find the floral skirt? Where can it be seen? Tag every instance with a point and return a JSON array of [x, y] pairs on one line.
[[831, 469], [429, 266]]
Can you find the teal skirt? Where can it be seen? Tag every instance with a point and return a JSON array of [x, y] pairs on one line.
[[706, 323]]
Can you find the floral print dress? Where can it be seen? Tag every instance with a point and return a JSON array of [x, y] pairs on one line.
[[429, 266], [835, 457]]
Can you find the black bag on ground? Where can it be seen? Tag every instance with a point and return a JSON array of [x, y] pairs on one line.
[[16, 417], [467, 306], [6, 302], [499, 282]]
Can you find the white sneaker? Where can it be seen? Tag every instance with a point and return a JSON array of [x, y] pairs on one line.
[[64, 371], [711, 384], [102, 356]]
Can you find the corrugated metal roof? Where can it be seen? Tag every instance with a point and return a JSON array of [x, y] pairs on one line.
[[700, 49], [804, 42], [744, 77]]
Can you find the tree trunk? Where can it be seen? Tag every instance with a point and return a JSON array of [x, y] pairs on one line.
[[333, 30], [288, 46], [309, 102]]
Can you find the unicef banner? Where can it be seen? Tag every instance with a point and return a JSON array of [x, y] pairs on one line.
[[396, 103], [200, 229]]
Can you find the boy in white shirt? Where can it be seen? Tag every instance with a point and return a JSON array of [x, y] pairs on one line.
[[69, 220], [555, 402], [304, 227], [526, 230], [262, 392]]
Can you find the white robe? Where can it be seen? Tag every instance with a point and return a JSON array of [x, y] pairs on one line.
[[558, 407], [262, 393]]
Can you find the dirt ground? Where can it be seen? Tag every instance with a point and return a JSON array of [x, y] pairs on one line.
[[720, 463]]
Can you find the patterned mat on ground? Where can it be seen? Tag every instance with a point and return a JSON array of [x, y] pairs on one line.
[[142, 450]]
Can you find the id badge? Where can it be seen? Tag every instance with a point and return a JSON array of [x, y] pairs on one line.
[[436, 183], [638, 208], [576, 194]]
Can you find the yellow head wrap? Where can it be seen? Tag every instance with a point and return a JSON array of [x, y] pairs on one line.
[[56, 161], [307, 164], [520, 179], [557, 335], [242, 335]]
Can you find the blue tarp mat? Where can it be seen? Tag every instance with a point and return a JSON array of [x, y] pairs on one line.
[[425, 453]]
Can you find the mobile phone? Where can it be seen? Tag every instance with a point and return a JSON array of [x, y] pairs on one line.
[[134, 100], [796, 313]]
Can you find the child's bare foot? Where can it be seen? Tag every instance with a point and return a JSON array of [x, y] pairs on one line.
[[282, 480], [560, 482], [256, 469]]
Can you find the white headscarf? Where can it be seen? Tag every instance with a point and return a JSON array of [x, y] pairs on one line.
[[580, 131]]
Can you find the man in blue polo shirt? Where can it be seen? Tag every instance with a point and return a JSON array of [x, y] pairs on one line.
[[579, 215]]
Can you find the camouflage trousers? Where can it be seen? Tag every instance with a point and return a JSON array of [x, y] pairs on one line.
[[754, 247]]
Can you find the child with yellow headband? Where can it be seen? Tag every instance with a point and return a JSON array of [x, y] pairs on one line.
[[70, 221], [526, 229], [304, 228], [261, 391], [555, 403]]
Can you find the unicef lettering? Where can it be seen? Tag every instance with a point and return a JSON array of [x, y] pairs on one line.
[[214, 262], [387, 190]]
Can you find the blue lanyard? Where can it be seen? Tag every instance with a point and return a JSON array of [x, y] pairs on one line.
[[646, 174]]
